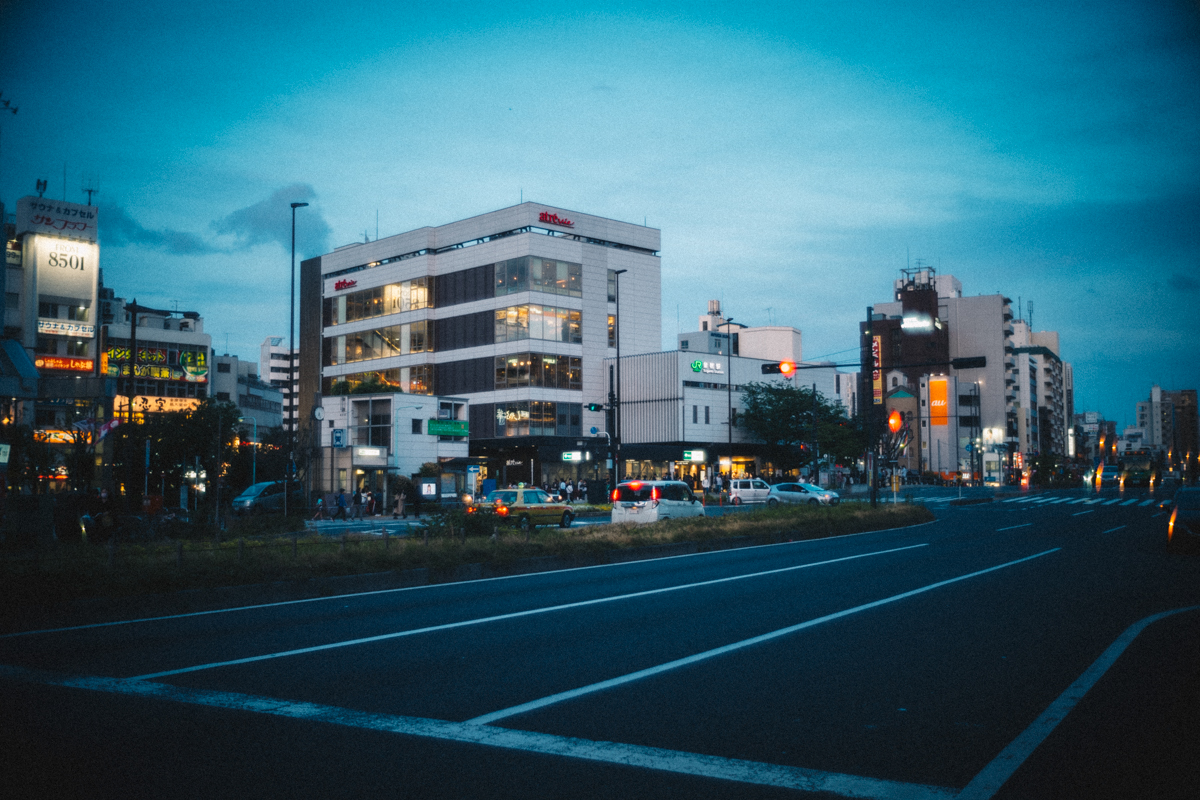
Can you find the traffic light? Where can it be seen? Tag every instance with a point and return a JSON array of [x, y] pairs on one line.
[[785, 368], [595, 406], [895, 422]]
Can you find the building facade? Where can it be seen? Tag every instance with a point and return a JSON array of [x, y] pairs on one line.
[[237, 381], [275, 361], [513, 311]]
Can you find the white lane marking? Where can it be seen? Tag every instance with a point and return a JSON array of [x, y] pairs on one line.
[[427, 587], [729, 648], [1081, 513], [673, 761], [1016, 500], [1114, 530], [1096, 500], [513, 615], [1145, 503], [1159, 514], [1112, 502], [1064, 500], [1080, 500], [989, 780], [1014, 527], [1129, 502]]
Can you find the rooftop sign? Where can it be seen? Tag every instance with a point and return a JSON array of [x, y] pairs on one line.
[[555, 219]]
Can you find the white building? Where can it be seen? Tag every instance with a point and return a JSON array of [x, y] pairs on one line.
[[368, 437], [513, 310], [273, 356], [236, 381]]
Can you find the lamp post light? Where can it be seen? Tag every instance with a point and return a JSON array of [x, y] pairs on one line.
[[254, 452], [729, 392], [291, 367], [617, 411]]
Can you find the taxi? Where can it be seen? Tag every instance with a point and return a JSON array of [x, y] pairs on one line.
[[527, 506]]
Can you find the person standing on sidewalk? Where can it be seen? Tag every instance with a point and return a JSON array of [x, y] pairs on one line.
[[356, 507]]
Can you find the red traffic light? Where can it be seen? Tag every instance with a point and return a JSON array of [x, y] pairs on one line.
[[895, 421]]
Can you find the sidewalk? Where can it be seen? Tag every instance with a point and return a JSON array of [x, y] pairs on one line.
[[377, 525]]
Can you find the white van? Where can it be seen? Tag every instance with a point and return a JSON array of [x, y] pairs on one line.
[[751, 490], [650, 501]]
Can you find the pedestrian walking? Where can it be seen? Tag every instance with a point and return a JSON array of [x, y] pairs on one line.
[[398, 505], [356, 505], [320, 509], [341, 505]]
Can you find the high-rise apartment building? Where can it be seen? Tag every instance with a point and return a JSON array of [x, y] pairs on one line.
[[275, 364]]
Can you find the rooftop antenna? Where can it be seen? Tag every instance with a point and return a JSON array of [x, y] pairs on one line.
[[90, 186], [1031, 315], [41, 186], [64, 181], [377, 224], [522, 194]]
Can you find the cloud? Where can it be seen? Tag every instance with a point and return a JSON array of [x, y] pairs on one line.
[[1183, 283], [270, 220], [118, 228]]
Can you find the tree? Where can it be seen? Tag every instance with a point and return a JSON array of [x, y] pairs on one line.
[[782, 417]]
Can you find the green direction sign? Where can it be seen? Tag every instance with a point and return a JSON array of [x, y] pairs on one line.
[[699, 456], [446, 427]]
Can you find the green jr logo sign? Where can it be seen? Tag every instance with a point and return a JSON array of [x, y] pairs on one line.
[[697, 366]]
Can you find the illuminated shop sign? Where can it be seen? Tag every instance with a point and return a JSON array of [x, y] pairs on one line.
[[344, 284], [695, 456], [190, 366], [939, 409], [709, 367], [877, 373], [67, 269], [69, 364], [64, 327], [555, 219], [446, 427], [146, 404], [56, 218]]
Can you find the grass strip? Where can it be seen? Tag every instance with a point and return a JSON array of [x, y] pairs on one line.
[[71, 571]]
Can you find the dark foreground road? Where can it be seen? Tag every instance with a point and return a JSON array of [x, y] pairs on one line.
[[1044, 647]]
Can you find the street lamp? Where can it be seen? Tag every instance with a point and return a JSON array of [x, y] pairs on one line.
[[617, 335], [254, 452], [729, 391], [291, 367]]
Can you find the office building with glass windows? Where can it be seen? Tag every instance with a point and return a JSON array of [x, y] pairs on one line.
[[513, 311]]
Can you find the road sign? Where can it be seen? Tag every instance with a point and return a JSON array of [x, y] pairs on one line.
[[572, 455], [698, 456], [338, 437]]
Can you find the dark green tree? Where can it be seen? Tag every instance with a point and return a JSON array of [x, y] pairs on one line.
[[782, 416]]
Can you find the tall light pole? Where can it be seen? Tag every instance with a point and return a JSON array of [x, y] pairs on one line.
[[617, 334], [291, 367], [254, 452], [729, 390]]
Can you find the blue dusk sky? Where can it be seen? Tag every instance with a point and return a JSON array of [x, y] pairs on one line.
[[795, 155]]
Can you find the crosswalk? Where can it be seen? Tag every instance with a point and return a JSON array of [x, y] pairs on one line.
[[1141, 501]]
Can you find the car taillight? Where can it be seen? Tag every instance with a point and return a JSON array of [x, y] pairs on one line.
[[1171, 523], [502, 511], [616, 495], [470, 509], [654, 493]]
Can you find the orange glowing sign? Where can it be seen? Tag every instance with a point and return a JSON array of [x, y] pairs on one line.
[[71, 364], [939, 409]]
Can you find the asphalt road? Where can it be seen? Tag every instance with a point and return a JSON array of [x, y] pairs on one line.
[[1007, 650]]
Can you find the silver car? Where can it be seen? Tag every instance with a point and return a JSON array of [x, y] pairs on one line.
[[801, 493]]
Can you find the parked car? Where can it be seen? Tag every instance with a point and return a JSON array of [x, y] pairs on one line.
[[748, 490], [651, 501], [266, 498], [527, 506], [1183, 527], [801, 493]]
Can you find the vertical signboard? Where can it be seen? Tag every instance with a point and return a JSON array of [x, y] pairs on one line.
[[877, 373], [939, 410]]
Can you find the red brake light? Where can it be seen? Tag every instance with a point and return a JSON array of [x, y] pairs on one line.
[[654, 493], [635, 485], [616, 495], [502, 511], [1171, 523]]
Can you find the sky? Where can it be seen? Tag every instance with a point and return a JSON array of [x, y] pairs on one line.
[[796, 156]]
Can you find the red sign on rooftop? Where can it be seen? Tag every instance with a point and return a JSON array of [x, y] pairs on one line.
[[339, 285], [555, 219]]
